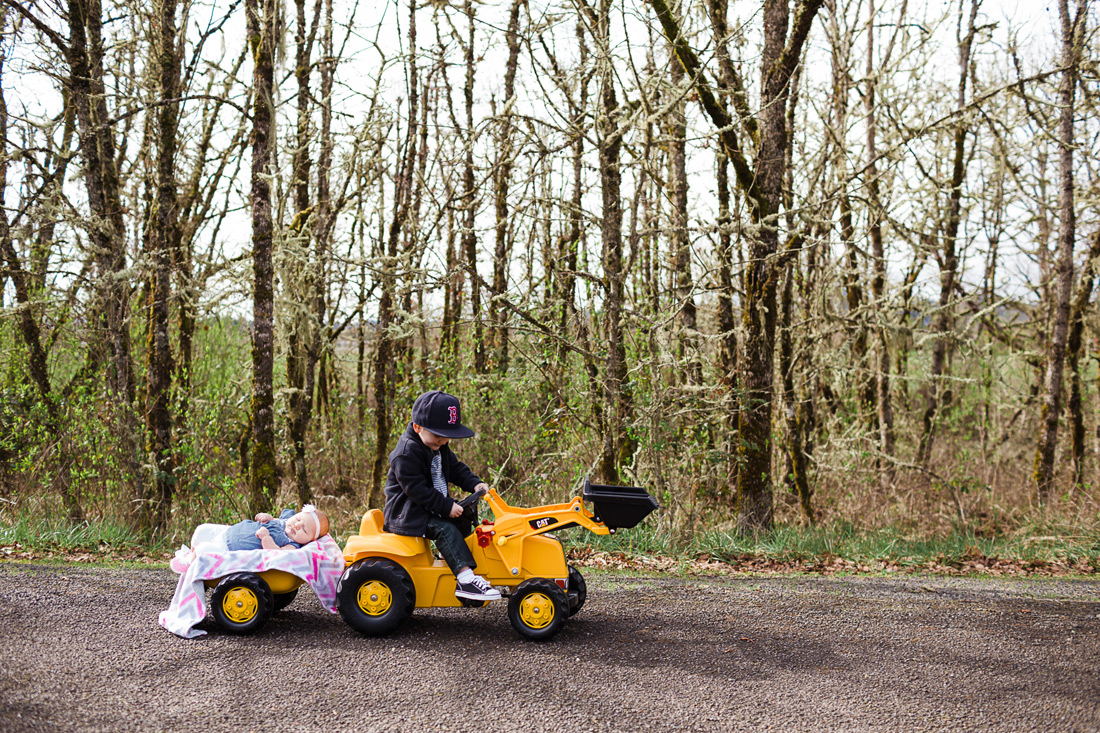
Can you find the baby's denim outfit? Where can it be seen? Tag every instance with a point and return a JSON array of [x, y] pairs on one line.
[[242, 535]]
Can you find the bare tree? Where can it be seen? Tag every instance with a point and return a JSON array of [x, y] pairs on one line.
[[939, 392], [28, 325], [304, 275], [163, 241], [384, 373], [875, 215], [502, 175], [1073, 31], [761, 182]]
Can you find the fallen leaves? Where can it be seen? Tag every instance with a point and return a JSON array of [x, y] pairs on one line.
[[100, 553], [973, 563]]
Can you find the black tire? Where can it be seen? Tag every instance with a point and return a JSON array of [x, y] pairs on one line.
[[375, 596], [577, 590], [282, 600], [241, 603], [538, 609]]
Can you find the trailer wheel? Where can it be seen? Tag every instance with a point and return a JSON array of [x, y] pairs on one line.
[[241, 603], [282, 600], [577, 590], [375, 596], [538, 609]]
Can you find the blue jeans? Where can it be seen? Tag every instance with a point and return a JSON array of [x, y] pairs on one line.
[[450, 542]]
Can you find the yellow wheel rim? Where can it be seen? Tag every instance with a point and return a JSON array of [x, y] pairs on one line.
[[536, 610], [240, 605], [374, 598]]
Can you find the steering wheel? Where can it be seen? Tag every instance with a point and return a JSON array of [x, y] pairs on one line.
[[472, 499]]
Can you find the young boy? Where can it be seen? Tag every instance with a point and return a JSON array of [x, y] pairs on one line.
[[417, 500]]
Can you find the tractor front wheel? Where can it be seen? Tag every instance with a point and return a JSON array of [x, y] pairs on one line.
[[241, 603], [538, 609], [577, 590], [375, 596]]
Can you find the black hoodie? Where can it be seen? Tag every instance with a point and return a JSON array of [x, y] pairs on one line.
[[410, 495]]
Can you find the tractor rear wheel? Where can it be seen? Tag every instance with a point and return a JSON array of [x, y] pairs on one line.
[[375, 596]]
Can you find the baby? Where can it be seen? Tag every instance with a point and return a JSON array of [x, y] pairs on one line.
[[290, 531], [287, 532]]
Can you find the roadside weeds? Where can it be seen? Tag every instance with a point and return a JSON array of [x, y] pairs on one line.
[[973, 564]]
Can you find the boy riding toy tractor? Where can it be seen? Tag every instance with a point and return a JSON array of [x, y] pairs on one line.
[[388, 575]]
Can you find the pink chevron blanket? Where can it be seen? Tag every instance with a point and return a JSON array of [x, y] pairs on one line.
[[319, 563]]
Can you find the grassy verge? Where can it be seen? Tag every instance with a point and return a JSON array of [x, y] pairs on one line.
[[840, 548], [1047, 550], [26, 538]]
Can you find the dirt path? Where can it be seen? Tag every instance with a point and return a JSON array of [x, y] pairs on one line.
[[80, 649]]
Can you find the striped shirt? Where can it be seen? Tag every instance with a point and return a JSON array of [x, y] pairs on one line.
[[438, 481]]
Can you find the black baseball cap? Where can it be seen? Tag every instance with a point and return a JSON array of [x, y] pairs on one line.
[[440, 413]]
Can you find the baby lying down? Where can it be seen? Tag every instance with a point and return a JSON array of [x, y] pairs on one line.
[[287, 532]]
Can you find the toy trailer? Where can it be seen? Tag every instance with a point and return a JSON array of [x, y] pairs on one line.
[[389, 575]]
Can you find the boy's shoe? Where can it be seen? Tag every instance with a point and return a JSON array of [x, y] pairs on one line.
[[477, 589]]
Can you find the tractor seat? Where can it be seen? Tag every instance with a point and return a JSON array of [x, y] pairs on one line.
[[372, 522]]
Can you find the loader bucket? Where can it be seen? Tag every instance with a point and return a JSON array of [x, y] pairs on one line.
[[619, 507]]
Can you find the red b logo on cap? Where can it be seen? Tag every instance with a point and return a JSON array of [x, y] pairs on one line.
[[452, 415]]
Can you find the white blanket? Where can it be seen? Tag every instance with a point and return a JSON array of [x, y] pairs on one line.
[[319, 563]]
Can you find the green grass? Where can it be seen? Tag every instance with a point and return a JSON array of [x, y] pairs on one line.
[[101, 542], [789, 544], [786, 544]]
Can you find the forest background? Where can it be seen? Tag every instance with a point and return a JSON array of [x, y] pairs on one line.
[[819, 263]]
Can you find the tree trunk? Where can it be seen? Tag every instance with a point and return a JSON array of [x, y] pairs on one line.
[[609, 143], [112, 307], [303, 273], [796, 454], [1073, 357], [878, 278], [680, 243], [262, 468], [502, 178], [163, 241], [939, 392], [1072, 46], [469, 202], [727, 326], [762, 185], [384, 373]]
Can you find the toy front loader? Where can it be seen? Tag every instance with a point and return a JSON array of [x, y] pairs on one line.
[[388, 575]]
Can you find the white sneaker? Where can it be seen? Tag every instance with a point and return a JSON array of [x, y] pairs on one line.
[[477, 589]]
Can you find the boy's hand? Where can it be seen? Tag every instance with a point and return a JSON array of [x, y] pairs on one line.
[[262, 532], [264, 517], [482, 486], [456, 510]]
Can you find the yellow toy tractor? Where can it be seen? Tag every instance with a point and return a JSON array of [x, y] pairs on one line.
[[389, 575]]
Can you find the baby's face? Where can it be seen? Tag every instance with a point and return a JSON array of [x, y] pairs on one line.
[[300, 528]]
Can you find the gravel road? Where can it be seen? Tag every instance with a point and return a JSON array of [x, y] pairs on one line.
[[80, 649]]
